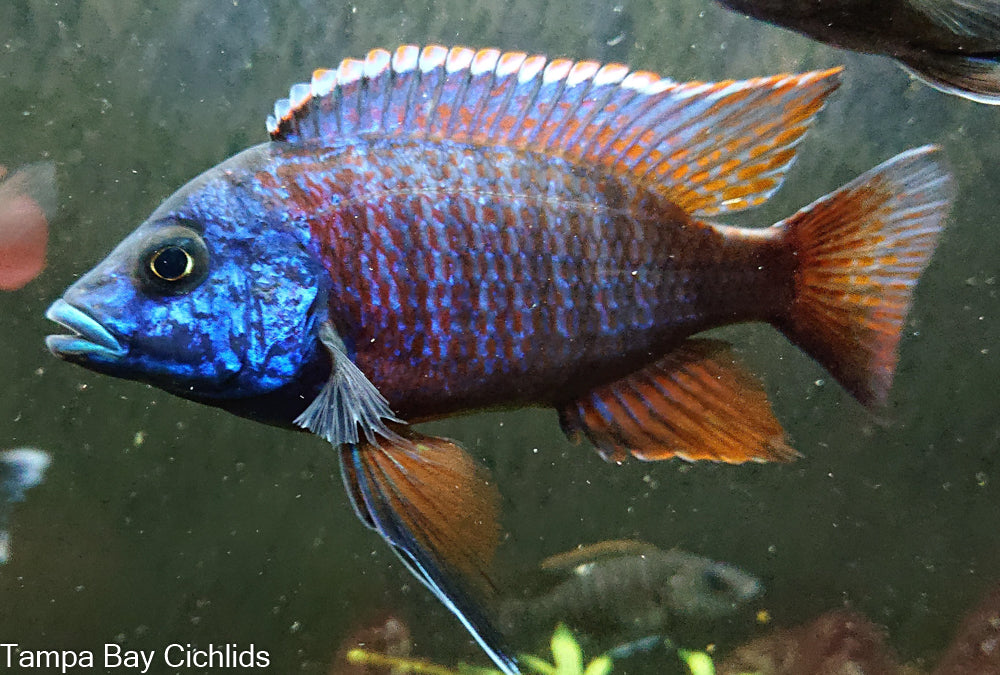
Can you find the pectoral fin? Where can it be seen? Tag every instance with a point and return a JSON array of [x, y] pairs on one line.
[[438, 510], [347, 401], [696, 403]]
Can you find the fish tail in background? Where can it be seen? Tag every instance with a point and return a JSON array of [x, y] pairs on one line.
[[860, 251], [972, 76], [439, 511]]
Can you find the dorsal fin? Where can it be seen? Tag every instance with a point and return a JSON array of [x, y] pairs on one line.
[[602, 550], [708, 147]]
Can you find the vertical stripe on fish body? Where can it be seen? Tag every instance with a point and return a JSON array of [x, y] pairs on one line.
[[467, 275]]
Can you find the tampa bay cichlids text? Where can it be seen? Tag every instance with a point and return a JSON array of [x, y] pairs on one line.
[[113, 655]]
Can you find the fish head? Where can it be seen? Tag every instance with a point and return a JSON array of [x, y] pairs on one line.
[[704, 588], [215, 296]]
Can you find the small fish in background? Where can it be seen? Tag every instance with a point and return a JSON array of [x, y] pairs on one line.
[[435, 231], [623, 590], [20, 470], [952, 45], [27, 205]]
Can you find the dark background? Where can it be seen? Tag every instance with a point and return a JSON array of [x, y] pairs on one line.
[[163, 521]]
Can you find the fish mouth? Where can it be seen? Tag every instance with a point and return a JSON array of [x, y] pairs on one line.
[[89, 338]]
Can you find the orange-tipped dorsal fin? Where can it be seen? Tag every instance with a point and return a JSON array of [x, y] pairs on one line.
[[697, 402], [708, 147]]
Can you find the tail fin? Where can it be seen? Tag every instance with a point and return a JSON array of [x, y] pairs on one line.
[[860, 251]]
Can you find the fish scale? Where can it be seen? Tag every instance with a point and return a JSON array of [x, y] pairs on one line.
[[556, 264]]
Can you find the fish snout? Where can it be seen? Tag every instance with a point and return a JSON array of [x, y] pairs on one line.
[[89, 338]]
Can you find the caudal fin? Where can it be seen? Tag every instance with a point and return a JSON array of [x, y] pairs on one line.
[[860, 251]]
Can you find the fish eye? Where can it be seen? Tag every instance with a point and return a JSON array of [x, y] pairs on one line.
[[715, 581], [174, 261]]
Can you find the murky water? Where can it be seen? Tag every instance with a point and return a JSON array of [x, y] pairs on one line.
[[166, 522]]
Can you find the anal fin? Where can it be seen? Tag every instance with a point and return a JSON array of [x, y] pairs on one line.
[[439, 511], [696, 403]]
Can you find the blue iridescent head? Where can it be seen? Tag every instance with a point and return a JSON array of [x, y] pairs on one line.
[[216, 296]]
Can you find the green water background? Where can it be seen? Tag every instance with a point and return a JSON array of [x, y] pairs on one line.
[[166, 522]]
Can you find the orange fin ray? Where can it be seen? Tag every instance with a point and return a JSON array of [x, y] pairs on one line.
[[602, 550], [439, 512], [860, 252], [726, 146], [708, 147], [696, 403]]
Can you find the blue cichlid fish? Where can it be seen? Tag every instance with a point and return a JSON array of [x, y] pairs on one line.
[[433, 231], [952, 45]]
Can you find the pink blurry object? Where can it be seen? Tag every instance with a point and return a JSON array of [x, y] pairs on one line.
[[387, 635], [27, 203], [837, 643], [847, 643], [976, 647]]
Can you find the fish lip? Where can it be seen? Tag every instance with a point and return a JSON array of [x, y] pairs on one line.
[[89, 337]]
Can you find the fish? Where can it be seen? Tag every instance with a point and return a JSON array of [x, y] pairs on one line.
[[27, 205], [433, 231], [951, 45], [20, 470], [625, 590]]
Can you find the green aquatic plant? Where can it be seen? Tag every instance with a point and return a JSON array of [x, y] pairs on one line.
[[363, 657], [567, 657], [700, 663]]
